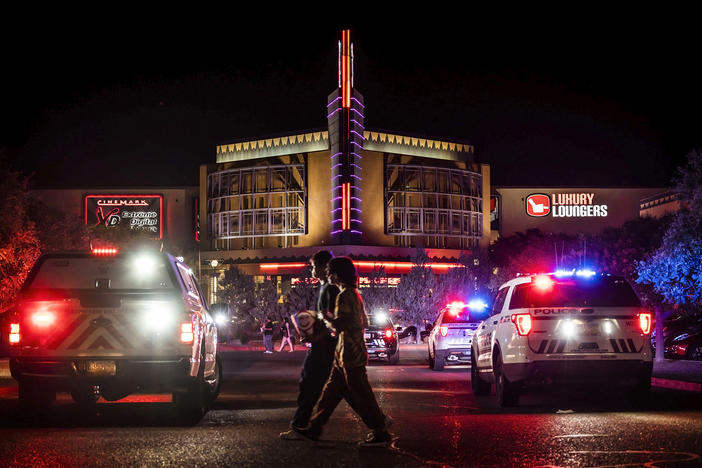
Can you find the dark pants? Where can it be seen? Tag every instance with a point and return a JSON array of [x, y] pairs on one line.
[[354, 382]]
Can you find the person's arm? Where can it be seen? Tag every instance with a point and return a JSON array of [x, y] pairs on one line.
[[343, 313]]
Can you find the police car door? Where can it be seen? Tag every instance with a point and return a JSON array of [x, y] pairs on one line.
[[486, 331]]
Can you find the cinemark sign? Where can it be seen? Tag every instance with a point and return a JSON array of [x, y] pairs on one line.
[[564, 205]]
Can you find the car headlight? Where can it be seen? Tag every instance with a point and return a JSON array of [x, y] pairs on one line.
[[220, 319]]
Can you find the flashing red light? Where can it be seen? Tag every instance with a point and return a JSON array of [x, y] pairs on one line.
[[105, 251], [523, 323], [186, 333], [444, 330], [43, 318], [456, 307], [388, 333], [14, 333], [542, 283], [645, 323]]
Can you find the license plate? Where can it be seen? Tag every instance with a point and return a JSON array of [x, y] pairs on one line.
[[100, 368]]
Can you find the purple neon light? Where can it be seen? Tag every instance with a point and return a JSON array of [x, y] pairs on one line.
[[336, 154], [338, 209], [356, 177], [337, 99], [357, 155], [336, 232], [354, 143], [337, 165], [336, 176], [333, 112], [354, 110], [359, 102], [356, 232], [356, 198], [354, 209], [358, 123], [354, 131], [354, 165], [336, 198]]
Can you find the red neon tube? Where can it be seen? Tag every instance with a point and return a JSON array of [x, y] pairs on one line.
[[346, 206]]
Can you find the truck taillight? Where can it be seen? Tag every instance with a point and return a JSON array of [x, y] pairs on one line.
[[14, 333], [186, 333], [104, 251], [645, 323], [43, 318], [444, 330], [523, 323]]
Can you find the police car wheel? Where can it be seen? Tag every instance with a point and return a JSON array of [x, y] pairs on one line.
[[191, 404], [438, 361], [478, 385], [507, 392]]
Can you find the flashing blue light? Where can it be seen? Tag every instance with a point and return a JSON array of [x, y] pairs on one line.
[[477, 305], [585, 273], [564, 273]]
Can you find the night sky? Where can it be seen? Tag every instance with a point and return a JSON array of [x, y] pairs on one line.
[[602, 103]]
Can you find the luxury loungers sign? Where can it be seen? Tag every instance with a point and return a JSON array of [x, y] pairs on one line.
[[564, 205], [132, 212]]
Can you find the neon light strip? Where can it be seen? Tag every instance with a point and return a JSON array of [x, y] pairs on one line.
[[354, 110], [361, 136], [367, 264], [357, 155], [354, 143], [334, 112], [346, 69], [333, 101], [346, 205], [359, 102]]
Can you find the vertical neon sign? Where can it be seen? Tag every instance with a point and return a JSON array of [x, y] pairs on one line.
[[346, 68]]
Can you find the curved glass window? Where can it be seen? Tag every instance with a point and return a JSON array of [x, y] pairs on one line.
[[442, 204], [258, 201]]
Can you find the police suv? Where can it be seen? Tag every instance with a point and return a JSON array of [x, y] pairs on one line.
[[572, 327], [105, 324], [451, 335]]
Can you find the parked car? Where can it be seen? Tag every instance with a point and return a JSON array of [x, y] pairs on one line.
[[582, 329], [106, 323], [451, 336], [687, 345], [382, 341]]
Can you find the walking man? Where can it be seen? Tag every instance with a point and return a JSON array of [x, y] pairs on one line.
[[348, 375], [267, 330]]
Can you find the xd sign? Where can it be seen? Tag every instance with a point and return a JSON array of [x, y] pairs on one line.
[[564, 205]]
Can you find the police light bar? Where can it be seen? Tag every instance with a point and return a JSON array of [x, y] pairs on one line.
[[477, 305]]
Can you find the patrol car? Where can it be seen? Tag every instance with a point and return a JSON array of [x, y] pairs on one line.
[[381, 339], [574, 327], [451, 336], [105, 324]]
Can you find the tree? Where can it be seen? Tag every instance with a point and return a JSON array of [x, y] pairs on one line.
[[675, 269], [237, 290], [415, 296], [302, 296], [20, 244], [266, 299], [377, 296]]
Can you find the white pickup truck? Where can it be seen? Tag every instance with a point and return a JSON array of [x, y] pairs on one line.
[[106, 324]]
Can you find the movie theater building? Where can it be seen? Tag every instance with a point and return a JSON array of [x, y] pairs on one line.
[[570, 210], [269, 204]]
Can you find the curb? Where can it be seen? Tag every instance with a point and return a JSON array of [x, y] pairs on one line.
[[677, 385]]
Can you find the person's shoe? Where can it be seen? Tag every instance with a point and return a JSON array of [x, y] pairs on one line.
[[305, 434], [373, 439], [290, 435], [268, 352]]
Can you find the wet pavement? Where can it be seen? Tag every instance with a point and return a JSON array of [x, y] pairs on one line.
[[437, 421]]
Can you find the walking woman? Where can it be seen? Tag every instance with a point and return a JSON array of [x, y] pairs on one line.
[[348, 373], [286, 332]]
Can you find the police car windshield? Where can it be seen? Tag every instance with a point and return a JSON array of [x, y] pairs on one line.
[[595, 292], [459, 316]]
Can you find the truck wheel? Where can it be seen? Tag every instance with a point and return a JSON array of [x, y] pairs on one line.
[[34, 397], [213, 383], [438, 361], [479, 386], [191, 403], [507, 392]]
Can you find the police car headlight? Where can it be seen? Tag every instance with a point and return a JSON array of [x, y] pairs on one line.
[[158, 315], [220, 319], [568, 328]]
